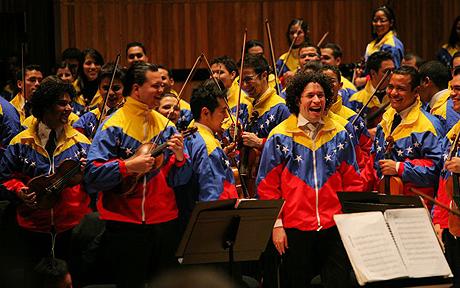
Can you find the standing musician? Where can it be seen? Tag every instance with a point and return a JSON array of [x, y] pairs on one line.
[[87, 123], [305, 161], [135, 53], [169, 108], [141, 216], [40, 150], [441, 218], [32, 77], [416, 133]]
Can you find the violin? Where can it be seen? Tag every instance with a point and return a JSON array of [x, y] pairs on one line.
[[390, 185], [48, 188], [129, 183], [452, 190]]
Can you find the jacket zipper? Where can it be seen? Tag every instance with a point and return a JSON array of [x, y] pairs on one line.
[[316, 186]]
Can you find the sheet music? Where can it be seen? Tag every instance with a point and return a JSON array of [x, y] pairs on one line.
[[417, 242], [370, 246]]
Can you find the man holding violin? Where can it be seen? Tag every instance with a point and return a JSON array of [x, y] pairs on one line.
[[136, 186], [46, 225], [414, 133]]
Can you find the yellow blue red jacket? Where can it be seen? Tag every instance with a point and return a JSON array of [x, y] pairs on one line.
[[358, 99], [307, 173], [185, 114], [444, 110], [87, 122], [26, 158], [417, 147], [117, 139], [444, 55], [290, 64], [347, 90], [10, 125], [389, 43]]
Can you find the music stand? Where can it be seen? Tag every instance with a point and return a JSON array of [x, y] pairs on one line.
[[355, 202], [218, 232]]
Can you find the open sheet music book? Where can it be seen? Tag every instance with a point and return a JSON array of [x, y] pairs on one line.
[[395, 244]]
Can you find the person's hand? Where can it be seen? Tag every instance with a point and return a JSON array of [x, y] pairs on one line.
[[176, 145], [280, 239], [29, 198], [230, 150], [83, 162], [388, 167], [453, 165], [251, 140], [140, 164]]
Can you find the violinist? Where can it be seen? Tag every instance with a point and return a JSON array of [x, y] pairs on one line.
[[306, 160], [377, 65], [136, 52], [37, 151], [87, 123], [445, 223], [271, 108], [169, 108], [416, 151], [32, 78], [141, 234], [308, 52]]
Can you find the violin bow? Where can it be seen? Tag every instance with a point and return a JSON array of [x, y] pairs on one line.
[[179, 97], [104, 103], [434, 201], [243, 54], [292, 45], [322, 39], [23, 71], [272, 55], [379, 85]]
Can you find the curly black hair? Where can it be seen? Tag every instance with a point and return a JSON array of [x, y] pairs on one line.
[[297, 84], [47, 93]]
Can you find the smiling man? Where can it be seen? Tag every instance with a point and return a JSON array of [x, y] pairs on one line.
[[32, 78], [416, 151], [305, 161]]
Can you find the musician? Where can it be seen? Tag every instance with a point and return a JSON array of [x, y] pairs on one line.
[[254, 47], [141, 227], [412, 59], [87, 84], [10, 125], [416, 152], [72, 57], [297, 27], [377, 65], [443, 108], [185, 113], [384, 35], [271, 108], [447, 51], [38, 151], [331, 54], [32, 77], [88, 122], [308, 52], [434, 93], [225, 69], [441, 217], [64, 72], [169, 108], [306, 160], [212, 176], [136, 52]]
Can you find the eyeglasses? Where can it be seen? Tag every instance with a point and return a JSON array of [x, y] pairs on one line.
[[455, 89], [381, 20], [250, 78], [115, 88]]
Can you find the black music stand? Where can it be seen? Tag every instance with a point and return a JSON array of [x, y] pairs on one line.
[[218, 232], [355, 202]]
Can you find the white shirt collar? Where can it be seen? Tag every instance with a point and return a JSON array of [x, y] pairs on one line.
[[44, 133], [436, 97]]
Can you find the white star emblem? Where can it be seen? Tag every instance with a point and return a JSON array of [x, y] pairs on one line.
[[267, 122], [416, 144], [445, 156], [335, 151], [379, 148], [285, 149], [298, 158], [128, 151], [278, 146], [377, 141], [356, 127], [361, 124], [90, 125], [83, 151], [78, 113], [261, 126], [271, 117], [409, 150], [350, 135], [400, 153], [327, 157], [33, 164], [26, 161], [227, 163], [340, 146]]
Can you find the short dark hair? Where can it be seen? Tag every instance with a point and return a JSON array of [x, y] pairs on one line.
[[107, 71], [297, 84], [374, 62], [256, 62], [390, 15], [170, 75], [303, 26], [336, 49], [308, 44], [437, 72], [453, 37], [312, 66], [29, 67], [252, 43], [71, 53], [418, 60], [412, 72], [456, 55], [135, 44], [206, 95], [136, 75], [51, 271], [47, 93], [334, 69], [227, 61]]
